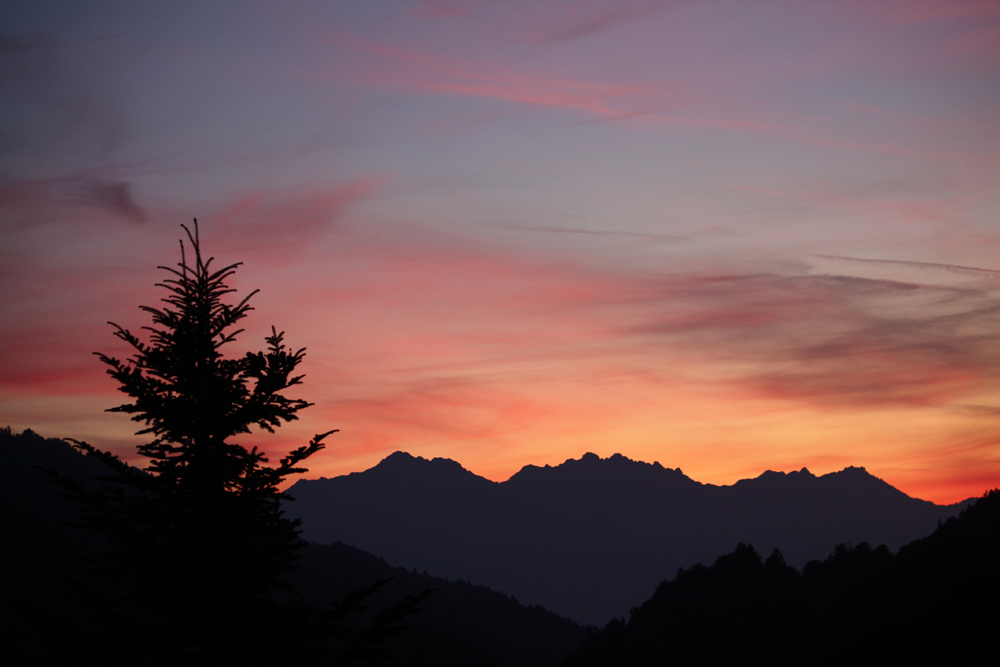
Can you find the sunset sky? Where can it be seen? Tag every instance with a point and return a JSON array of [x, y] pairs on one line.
[[725, 236]]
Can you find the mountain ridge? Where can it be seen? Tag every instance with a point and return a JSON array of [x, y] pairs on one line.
[[588, 538], [398, 459]]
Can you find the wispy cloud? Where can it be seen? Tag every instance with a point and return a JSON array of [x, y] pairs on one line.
[[933, 266], [430, 73], [27, 203], [576, 20], [828, 340], [442, 8], [274, 223], [839, 340], [113, 196], [555, 229], [963, 30], [544, 23], [925, 11], [19, 43], [657, 101]]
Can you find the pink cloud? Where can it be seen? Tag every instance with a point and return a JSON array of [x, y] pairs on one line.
[[543, 23], [54, 325], [453, 408], [834, 341], [442, 8], [426, 72], [279, 223], [553, 25], [924, 11], [465, 310], [949, 31]]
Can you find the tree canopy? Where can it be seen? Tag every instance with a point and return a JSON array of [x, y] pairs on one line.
[[198, 538]]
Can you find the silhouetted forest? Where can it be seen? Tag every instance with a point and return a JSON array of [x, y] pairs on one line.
[[932, 603]]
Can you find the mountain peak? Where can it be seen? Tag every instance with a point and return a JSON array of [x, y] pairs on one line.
[[408, 470], [618, 459], [852, 473], [616, 468], [400, 458]]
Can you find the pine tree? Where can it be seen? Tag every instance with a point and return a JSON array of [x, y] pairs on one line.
[[198, 539]]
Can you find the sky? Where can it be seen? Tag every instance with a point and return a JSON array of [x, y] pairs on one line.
[[724, 236]]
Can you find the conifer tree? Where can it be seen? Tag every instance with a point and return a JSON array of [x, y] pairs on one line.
[[198, 539]]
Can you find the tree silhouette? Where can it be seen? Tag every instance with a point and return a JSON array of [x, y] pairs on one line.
[[198, 538]]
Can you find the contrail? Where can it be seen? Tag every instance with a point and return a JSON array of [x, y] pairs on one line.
[[552, 229], [953, 268]]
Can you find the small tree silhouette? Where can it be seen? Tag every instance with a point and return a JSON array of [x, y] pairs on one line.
[[198, 538]]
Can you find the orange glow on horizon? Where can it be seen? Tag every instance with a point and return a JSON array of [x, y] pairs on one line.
[[510, 234]]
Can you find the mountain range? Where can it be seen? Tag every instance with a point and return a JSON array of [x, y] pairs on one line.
[[932, 601], [590, 538]]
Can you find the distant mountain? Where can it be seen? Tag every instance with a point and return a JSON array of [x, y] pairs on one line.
[[591, 537], [460, 624]]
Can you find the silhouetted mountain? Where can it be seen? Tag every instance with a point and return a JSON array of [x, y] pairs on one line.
[[460, 624], [591, 537], [932, 603]]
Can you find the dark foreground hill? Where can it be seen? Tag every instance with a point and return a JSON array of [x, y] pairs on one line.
[[935, 602], [45, 590], [460, 624], [591, 537]]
